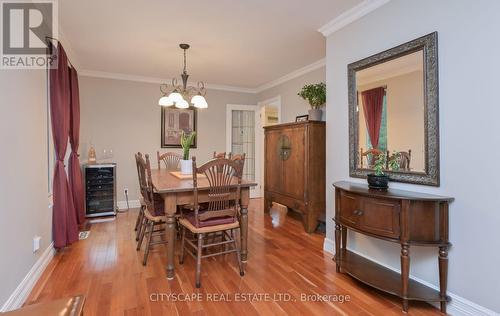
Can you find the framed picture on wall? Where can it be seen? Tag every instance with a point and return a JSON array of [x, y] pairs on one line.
[[302, 118], [173, 122]]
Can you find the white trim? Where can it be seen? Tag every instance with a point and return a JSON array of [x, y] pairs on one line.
[[458, 306], [120, 76], [122, 205], [351, 15], [259, 139], [294, 74], [328, 246], [21, 293]]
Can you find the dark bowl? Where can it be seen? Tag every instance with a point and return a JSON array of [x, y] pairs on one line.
[[378, 182]]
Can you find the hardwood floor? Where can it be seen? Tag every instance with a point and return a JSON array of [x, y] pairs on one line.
[[284, 262]]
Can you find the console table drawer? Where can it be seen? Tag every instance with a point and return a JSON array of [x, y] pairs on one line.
[[376, 216], [380, 217]]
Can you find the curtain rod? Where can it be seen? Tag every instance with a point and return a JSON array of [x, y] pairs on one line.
[[47, 38]]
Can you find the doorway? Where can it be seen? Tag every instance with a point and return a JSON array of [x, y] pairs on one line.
[[245, 134], [269, 114]]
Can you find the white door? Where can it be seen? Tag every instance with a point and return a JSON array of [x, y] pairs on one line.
[[241, 125]]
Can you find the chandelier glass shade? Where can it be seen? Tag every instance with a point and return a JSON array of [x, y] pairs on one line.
[[177, 94]]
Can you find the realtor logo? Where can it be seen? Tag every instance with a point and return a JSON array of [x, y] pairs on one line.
[[26, 25]]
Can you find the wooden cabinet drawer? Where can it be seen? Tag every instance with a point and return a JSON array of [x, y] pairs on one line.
[[349, 206], [380, 217], [375, 216]]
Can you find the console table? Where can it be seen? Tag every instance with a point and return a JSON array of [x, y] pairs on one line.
[[407, 218]]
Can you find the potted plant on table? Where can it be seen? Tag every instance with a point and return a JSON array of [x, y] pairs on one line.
[[315, 94], [186, 162], [378, 180]]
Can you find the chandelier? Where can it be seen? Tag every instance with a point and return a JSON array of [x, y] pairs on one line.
[[177, 94]]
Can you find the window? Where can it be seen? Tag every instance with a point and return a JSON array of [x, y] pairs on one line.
[[382, 139]]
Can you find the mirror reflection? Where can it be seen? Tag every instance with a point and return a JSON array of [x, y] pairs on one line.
[[390, 107]]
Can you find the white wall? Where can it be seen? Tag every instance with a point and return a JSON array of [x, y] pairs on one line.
[[469, 52], [291, 104], [24, 210], [125, 116]]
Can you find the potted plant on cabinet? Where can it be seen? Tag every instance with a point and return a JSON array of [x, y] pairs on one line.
[[378, 180], [186, 162], [315, 94]]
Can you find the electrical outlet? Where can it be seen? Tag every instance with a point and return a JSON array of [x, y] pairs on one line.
[[36, 243]]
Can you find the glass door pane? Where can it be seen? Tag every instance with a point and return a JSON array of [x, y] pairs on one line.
[[243, 140]]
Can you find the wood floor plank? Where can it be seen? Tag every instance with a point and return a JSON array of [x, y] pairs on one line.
[[285, 263]]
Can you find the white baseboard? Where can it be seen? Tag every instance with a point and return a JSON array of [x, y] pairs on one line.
[[122, 205], [458, 306], [328, 246], [23, 290]]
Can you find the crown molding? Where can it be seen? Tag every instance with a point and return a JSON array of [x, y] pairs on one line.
[[120, 76], [351, 15], [294, 74]]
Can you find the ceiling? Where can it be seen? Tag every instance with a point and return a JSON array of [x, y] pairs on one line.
[[392, 68], [243, 43]]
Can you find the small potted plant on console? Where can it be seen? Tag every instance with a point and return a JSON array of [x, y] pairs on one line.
[[378, 180]]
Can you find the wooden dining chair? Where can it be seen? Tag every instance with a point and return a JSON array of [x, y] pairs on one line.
[[240, 159], [140, 216], [219, 155], [370, 155], [404, 159], [220, 216], [154, 214], [170, 160]]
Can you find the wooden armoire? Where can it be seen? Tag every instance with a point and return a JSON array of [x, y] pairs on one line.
[[294, 172]]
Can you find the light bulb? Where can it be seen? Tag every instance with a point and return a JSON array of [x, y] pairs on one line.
[[182, 104], [165, 101], [175, 96], [199, 102]]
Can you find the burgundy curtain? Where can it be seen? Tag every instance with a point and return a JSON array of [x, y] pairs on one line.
[[75, 173], [64, 225], [373, 102]]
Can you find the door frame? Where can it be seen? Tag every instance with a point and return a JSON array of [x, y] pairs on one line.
[[259, 138], [257, 192]]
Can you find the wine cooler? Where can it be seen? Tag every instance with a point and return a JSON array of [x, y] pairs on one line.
[[100, 189]]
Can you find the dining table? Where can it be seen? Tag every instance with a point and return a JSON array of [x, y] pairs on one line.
[[177, 192]]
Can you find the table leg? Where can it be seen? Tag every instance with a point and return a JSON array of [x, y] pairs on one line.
[[405, 274], [344, 237], [443, 276], [337, 246], [170, 209], [245, 199]]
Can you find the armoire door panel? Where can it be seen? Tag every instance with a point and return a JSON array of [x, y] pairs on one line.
[[294, 166], [273, 164]]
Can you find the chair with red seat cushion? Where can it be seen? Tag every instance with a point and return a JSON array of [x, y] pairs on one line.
[[223, 177]]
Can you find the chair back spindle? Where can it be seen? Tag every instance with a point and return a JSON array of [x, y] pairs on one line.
[[170, 160], [224, 179]]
